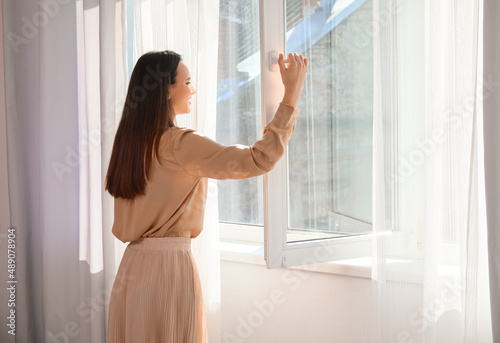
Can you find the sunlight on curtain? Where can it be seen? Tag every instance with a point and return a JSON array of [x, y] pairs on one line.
[[190, 28], [65, 64], [65, 67], [428, 173], [100, 31]]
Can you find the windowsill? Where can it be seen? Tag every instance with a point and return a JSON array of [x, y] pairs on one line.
[[251, 253], [407, 269]]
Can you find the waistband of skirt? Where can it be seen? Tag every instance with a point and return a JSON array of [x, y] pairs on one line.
[[161, 243]]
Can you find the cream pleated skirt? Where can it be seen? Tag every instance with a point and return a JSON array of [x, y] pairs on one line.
[[157, 294]]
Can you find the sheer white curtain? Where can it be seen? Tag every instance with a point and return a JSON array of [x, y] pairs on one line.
[[430, 275], [190, 28], [64, 74], [101, 73], [65, 71]]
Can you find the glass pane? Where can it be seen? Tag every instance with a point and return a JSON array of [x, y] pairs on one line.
[[330, 155], [238, 104]]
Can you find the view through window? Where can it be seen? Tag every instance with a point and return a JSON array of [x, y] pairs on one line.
[[329, 158], [330, 155], [239, 105]]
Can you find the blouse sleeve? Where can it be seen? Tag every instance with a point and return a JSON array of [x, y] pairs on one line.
[[200, 156]]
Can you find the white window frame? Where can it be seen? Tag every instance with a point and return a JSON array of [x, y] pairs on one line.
[[244, 233], [279, 253]]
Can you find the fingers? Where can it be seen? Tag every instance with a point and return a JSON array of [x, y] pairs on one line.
[[281, 63], [294, 59], [291, 59]]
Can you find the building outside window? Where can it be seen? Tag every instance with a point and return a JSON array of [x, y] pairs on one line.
[[329, 159]]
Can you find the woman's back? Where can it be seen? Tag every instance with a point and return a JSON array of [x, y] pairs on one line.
[[174, 200]]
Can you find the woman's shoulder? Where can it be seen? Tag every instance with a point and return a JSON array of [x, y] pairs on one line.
[[174, 132], [173, 135]]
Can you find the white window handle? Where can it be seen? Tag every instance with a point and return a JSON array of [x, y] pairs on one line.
[[273, 61]]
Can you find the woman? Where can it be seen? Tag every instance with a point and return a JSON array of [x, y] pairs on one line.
[[158, 175]]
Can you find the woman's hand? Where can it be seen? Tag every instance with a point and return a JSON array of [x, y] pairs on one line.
[[293, 76]]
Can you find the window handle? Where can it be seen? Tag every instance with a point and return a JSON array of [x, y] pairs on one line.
[[273, 61]]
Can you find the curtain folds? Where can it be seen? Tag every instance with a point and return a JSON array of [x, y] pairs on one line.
[[430, 276], [66, 66], [66, 75], [491, 124], [41, 101], [100, 49]]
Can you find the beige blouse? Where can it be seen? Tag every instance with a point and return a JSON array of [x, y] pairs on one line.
[[175, 195]]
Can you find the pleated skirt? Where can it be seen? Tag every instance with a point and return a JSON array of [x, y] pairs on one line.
[[157, 294]]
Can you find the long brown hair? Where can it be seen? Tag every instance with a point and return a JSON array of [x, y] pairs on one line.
[[147, 113]]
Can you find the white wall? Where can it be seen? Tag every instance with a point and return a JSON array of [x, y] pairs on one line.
[[313, 307], [308, 306]]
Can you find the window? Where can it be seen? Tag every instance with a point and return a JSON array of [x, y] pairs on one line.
[[316, 205], [238, 105], [330, 157]]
